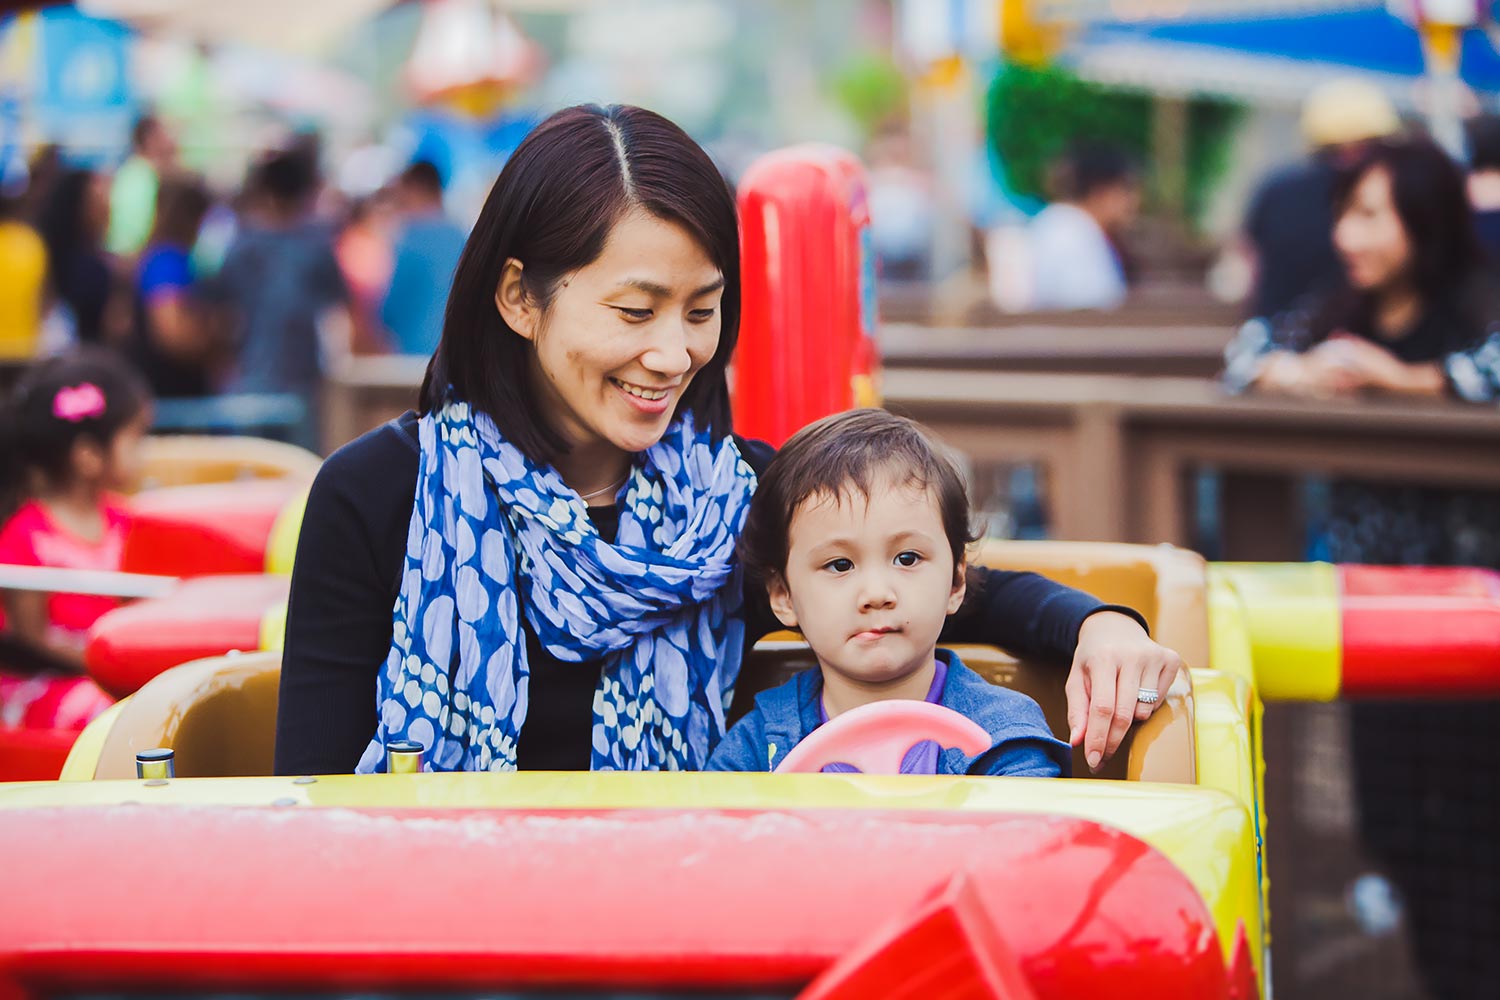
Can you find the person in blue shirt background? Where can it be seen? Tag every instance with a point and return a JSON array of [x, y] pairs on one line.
[[859, 528], [425, 256]]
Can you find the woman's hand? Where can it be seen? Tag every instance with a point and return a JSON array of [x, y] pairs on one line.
[[1372, 366], [1313, 375], [1115, 660]]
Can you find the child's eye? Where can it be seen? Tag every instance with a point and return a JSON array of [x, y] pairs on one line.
[[908, 558], [839, 565]]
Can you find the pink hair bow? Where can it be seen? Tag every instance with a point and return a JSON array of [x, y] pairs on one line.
[[78, 402]]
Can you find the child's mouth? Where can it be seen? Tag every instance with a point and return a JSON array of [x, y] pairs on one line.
[[871, 634]]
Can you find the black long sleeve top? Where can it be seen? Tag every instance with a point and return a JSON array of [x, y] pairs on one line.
[[348, 571]]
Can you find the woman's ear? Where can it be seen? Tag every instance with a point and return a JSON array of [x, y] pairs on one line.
[[781, 600], [515, 306], [960, 587]]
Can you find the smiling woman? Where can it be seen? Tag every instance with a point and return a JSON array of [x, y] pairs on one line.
[[538, 569]]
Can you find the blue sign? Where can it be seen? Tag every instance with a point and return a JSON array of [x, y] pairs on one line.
[[83, 95]]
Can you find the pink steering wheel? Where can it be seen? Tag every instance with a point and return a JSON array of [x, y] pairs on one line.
[[875, 737]]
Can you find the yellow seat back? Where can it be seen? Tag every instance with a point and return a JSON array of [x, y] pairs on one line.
[[191, 460], [218, 714]]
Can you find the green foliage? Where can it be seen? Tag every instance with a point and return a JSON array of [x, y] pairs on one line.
[[1032, 114], [871, 88]]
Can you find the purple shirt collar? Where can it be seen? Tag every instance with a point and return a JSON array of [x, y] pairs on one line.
[[934, 693]]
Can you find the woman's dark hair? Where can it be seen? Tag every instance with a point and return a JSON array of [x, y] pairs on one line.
[[552, 208], [181, 204], [88, 395], [61, 219], [1431, 200], [845, 453]]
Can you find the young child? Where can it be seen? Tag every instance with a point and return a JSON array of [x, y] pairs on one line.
[[72, 433], [859, 528]]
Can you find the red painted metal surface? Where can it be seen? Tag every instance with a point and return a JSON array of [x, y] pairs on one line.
[[948, 950], [213, 528], [207, 616], [1417, 632], [1243, 983], [34, 754], [135, 896], [808, 314]]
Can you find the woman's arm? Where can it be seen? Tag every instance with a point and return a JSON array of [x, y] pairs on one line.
[[338, 628], [1112, 657], [1474, 375]]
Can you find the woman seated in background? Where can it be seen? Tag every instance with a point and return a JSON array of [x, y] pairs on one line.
[[1419, 316]]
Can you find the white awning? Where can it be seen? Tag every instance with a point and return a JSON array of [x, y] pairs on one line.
[[301, 26]]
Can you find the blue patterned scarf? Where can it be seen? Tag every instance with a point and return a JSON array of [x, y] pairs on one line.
[[495, 539]]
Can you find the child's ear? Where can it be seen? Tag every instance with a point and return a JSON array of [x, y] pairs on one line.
[[515, 306], [781, 600], [960, 587]]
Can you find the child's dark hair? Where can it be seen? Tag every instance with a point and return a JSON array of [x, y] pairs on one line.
[[88, 395], [849, 451]]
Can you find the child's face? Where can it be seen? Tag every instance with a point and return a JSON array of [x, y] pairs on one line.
[[123, 467], [869, 581]]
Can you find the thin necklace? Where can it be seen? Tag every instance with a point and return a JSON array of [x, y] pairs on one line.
[[612, 486]]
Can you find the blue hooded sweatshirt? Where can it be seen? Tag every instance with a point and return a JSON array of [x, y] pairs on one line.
[[1023, 745]]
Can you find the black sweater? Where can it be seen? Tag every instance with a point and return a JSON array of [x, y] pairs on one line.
[[348, 571]]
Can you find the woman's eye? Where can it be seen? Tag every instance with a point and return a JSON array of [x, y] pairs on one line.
[[839, 565], [701, 315], [635, 315], [908, 559]]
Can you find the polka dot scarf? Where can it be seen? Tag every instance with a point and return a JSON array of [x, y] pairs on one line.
[[495, 539]]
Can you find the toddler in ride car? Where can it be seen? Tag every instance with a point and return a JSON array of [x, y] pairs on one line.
[[859, 528]]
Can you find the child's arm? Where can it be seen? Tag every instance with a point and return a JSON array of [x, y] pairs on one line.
[[1025, 758], [26, 617], [744, 748]]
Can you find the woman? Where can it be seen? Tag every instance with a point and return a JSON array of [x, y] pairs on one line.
[[172, 344], [556, 528], [1418, 317]]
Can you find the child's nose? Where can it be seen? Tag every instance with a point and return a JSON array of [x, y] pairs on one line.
[[877, 592]]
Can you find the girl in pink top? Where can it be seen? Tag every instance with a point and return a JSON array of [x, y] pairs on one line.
[[72, 435]]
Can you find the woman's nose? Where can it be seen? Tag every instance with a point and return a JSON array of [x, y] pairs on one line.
[[668, 354]]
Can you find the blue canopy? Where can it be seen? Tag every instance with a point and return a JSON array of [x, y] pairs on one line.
[[1252, 56]]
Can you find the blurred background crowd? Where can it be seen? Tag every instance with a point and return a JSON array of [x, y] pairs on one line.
[[245, 199], [210, 194]]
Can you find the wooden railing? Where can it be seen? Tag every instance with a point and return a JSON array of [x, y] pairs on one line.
[[1117, 452]]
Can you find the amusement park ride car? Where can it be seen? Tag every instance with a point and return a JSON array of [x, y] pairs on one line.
[[207, 874]]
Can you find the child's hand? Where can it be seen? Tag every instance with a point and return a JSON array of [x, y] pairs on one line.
[[1114, 661]]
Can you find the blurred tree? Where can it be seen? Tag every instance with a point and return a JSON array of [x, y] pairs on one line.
[[1033, 113], [872, 89]]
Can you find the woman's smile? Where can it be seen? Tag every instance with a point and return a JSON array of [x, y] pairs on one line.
[[649, 401]]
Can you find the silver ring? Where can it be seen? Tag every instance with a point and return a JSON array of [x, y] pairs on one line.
[[1147, 696]]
